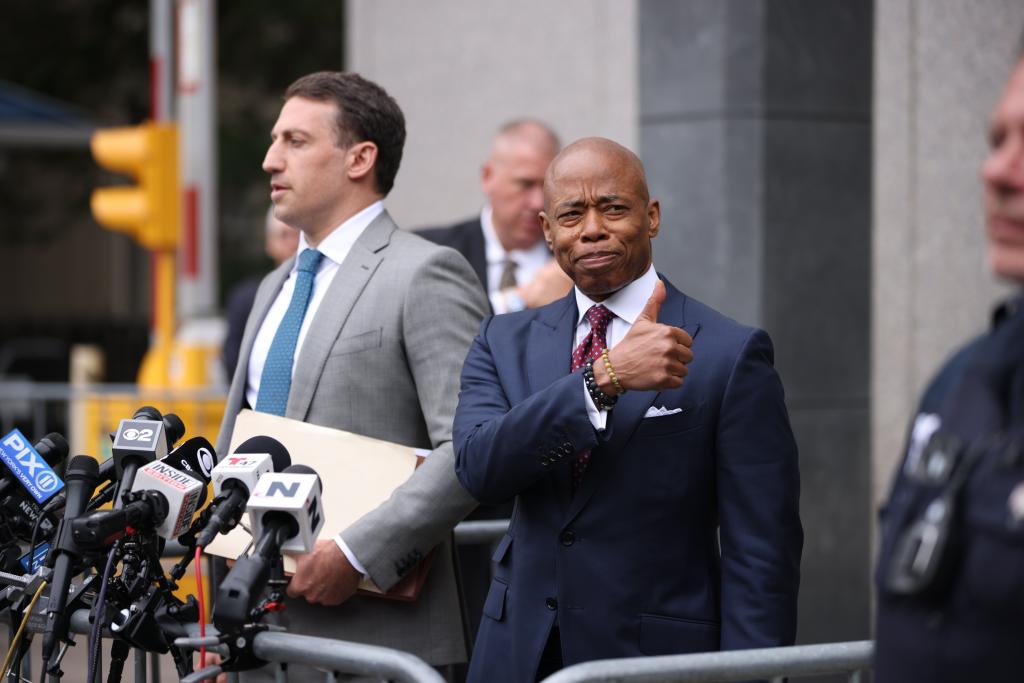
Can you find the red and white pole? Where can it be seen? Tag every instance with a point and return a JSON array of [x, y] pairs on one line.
[[196, 104]]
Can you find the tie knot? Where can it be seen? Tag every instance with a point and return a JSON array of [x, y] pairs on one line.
[[599, 317], [309, 260]]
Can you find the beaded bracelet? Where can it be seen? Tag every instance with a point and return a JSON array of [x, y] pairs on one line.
[[611, 373], [601, 399]]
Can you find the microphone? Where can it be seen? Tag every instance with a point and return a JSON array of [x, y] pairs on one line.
[[144, 438], [164, 496], [234, 479], [29, 483], [54, 449], [286, 514], [287, 506], [29, 467], [82, 475]]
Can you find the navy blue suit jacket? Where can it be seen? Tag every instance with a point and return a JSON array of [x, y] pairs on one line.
[[631, 563]]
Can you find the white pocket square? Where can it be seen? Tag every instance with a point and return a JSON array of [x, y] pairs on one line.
[[661, 412]]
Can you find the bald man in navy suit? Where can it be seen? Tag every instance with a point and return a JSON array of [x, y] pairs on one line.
[[646, 441]]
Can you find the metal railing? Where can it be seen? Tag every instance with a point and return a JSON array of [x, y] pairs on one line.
[[852, 658], [334, 657], [27, 402], [480, 531]]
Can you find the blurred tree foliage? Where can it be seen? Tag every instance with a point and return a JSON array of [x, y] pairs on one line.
[[93, 56]]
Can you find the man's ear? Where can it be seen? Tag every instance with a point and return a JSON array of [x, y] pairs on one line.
[[654, 216], [486, 176], [362, 158], [546, 225]]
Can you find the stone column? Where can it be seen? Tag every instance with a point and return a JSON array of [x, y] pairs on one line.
[[755, 129]]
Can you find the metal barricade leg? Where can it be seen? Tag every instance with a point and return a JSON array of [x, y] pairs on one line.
[[154, 667], [140, 666], [26, 666]]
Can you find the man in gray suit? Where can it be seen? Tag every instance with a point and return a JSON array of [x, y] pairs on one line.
[[364, 330]]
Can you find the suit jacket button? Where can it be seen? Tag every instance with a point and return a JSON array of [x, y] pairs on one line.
[[551, 604], [568, 537]]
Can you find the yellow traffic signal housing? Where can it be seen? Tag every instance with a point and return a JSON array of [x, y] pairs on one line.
[[149, 211]]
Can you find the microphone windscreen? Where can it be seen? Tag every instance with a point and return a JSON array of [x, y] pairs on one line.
[[174, 428], [83, 467], [303, 469], [147, 413], [53, 448], [195, 456], [266, 444]]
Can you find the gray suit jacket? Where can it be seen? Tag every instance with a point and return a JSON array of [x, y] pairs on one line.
[[382, 358]]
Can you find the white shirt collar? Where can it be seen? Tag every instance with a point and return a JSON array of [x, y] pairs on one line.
[[495, 253], [625, 303], [339, 241]]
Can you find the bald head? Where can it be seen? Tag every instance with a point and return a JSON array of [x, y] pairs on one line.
[[529, 132], [513, 177], [594, 157]]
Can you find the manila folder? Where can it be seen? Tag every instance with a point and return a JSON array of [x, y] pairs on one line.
[[358, 473]]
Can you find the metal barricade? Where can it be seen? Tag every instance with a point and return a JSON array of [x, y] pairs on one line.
[[850, 658], [334, 657], [481, 531]]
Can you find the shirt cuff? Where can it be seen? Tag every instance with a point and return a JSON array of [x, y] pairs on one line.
[[598, 417], [351, 556]]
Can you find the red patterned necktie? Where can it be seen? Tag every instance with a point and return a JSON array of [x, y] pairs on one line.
[[589, 349]]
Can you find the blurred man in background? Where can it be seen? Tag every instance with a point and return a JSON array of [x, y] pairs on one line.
[[951, 568], [280, 243], [504, 244]]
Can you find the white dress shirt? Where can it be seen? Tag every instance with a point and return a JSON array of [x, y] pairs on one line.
[[335, 247], [626, 304], [528, 263]]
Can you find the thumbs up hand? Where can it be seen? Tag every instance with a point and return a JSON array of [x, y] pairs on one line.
[[651, 355]]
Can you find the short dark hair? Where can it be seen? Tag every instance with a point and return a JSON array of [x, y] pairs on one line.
[[366, 113]]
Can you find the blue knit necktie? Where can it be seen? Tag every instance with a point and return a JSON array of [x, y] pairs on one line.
[[276, 380]]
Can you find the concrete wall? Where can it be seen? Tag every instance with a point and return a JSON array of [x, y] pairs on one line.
[[940, 66], [461, 68]]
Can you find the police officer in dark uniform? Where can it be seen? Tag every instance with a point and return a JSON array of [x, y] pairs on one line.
[[950, 576]]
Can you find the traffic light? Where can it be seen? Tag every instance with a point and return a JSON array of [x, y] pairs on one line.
[[148, 211]]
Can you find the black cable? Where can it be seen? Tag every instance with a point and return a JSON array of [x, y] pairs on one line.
[[119, 651], [35, 536]]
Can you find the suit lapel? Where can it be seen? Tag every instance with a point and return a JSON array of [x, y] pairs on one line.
[[476, 253], [549, 346], [345, 289], [630, 409], [265, 295], [548, 353]]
